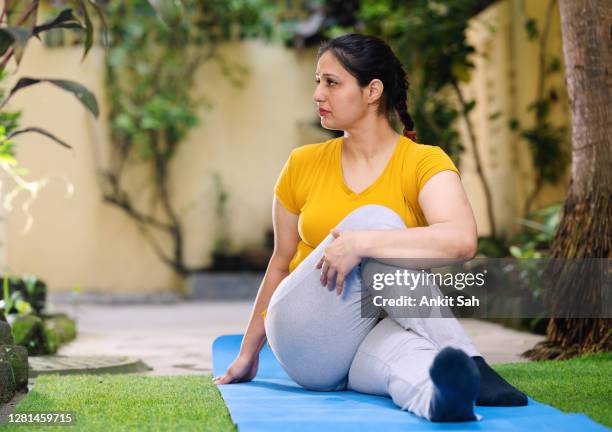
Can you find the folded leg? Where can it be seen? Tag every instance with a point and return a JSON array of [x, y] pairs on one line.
[[313, 332]]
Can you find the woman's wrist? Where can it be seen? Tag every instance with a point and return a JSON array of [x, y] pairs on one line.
[[251, 349], [361, 243], [249, 355]]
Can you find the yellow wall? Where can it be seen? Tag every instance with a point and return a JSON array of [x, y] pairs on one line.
[[505, 80], [247, 137]]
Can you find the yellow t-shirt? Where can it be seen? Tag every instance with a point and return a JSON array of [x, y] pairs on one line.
[[311, 185]]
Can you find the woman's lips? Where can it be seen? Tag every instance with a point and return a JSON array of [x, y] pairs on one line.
[[323, 112]]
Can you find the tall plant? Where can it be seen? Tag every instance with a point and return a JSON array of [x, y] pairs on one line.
[[150, 72], [547, 142], [18, 24]]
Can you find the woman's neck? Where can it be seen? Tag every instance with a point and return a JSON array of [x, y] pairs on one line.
[[368, 142]]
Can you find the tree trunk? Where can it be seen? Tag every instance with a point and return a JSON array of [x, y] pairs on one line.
[[585, 230]]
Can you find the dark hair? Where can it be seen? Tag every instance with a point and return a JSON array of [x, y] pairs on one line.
[[369, 57]]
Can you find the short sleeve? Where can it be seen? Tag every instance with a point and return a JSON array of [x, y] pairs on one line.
[[284, 188], [433, 160]]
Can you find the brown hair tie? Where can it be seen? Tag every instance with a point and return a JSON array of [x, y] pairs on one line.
[[410, 134]]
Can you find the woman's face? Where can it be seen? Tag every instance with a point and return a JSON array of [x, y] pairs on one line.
[[338, 93]]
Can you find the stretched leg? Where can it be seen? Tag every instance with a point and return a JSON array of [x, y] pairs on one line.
[[443, 332], [437, 385]]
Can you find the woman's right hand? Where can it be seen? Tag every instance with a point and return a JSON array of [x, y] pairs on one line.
[[242, 369]]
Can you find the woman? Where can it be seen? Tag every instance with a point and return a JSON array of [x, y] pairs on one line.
[[341, 204]]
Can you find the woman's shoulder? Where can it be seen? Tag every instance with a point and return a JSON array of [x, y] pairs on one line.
[[309, 153], [417, 153], [415, 148]]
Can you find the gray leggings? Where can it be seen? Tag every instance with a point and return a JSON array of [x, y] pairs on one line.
[[324, 344]]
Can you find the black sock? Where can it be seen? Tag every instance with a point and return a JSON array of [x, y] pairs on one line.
[[455, 379], [494, 390]]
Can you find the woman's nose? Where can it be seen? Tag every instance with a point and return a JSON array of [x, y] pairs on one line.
[[317, 96]]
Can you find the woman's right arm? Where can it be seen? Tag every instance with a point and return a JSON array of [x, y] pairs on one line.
[[286, 238]]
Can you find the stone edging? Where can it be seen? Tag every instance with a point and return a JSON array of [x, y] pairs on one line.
[[72, 365]]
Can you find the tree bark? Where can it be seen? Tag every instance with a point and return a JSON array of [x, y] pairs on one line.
[[585, 230]]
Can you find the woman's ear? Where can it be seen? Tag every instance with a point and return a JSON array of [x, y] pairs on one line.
[[375, 90]]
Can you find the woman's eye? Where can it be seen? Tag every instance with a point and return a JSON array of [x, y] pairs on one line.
[[328, 81]]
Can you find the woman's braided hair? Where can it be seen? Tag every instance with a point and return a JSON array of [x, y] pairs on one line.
[[369, 57]]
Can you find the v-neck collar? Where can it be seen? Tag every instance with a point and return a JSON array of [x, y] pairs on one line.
[[376, 182]]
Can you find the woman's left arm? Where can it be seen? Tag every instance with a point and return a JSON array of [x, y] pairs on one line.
[[451, 234]]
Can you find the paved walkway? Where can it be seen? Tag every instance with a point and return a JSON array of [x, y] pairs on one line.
[[176, 339]]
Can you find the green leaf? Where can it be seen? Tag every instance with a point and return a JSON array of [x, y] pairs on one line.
[[15, 36], [15, 297], [554, 65], [548, 210], [514, 124], [77, 288], [515, 251], [6, 295], [470, 106], [102, 17], [23, 307], [65, 19], [84, 96], [541, 107], [124, 122], [460, 71], [171, 12], [30, 283], [40, 131], [150, 123], [89, 29], [495, 115], [531, 27], [531, 224]]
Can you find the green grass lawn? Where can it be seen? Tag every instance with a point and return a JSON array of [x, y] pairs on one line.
[[132, 402], [582, 384], [129, 402]]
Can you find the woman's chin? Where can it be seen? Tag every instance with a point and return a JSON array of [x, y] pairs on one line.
[[326, 124]]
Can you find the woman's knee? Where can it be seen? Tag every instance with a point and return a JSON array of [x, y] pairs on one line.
[[371, 216]]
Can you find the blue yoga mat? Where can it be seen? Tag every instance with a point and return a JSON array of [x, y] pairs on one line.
[[274, 402]]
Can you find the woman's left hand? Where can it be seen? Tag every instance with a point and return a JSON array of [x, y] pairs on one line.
[[339, 258]]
